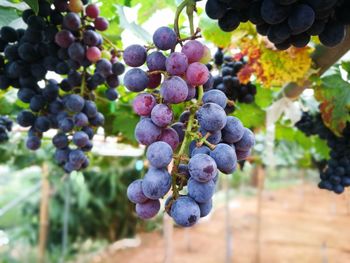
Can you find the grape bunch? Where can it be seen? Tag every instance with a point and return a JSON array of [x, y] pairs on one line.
[[285, 22], [5, 128], [63, 38], [228, 82], [201, 143], [336, 174]]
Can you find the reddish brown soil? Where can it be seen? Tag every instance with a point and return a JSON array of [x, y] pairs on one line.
[[295, 227]]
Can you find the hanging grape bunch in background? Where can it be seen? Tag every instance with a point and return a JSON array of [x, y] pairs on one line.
[[5, 128], [336, 175], [63, 38], [228, 82], [285, 22], [202, 142]]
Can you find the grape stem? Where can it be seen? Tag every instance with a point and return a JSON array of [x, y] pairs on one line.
[[158, 72], [178, 12], [185, 142], [107, 40], [191, 7]]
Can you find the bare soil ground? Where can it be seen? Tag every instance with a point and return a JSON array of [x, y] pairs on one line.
[[300, 224]]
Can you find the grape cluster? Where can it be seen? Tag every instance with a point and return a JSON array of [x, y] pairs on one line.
[[217, 140], [228, 82], [62, 38], [285, 22], [5, 128], [336, 174]]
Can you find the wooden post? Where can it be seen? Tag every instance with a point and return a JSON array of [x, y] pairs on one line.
[[228, 231], [44, 212], [168, 238], [261, 182]]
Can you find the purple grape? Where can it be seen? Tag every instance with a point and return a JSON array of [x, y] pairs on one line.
[[148, 209], [170, 136], [136, 80], [143, 104], [80, 139], [246, 142], [161, 115], [197, 74], [74, 103], [33, 143], [154, 80], [98, 120], [165, 38], [156, 61], [185, 211], [156, 183], [77, 157], [76, 52], [200, 192], [225, 158], [202, 168], [159, 154], [111, 94], [80, 120], [179, 127], [135, 193], [146, 132], [104, 67], [174, 90], [60, 141], [194, 50], [91, 38], [176, 64], [66, 124], [135, 55], [61, 156], [206, 207], [42, 124], [211, 117], [72, 21], [90, 108], [118, 68], [113, 81], [101, 23], [209, 84], [64, 38], [215, 96], [233, 131]]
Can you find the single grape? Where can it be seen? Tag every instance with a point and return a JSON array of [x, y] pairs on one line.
[[92, 11], [136, 80], [148, 209], [111, 94], [242, 155], [200, 192], [200, 150], [93, 54], [101, 24], [118, 68], [179, 127], [75, 6], [80, 139], [156, 61], [176, 63], [80, 120], [161, 115], [233, 131], [33, 143], [135, 55], [60, 141], [170, 136], [146, 132], [225, 158], [205, 208], [74, 103], [202, 168], [185, 211], [165, 38], [134, 192], [72, 21], [211, 117], [174, 90], [159, 154], [197, 74], [215, 96], [156, 183], [246, 142], [143, 104], [42, 124], [194, 50]]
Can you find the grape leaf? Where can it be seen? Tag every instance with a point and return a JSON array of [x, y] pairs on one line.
[[334, 96], [251, 115], [7, 15], [108, 9], [211, 32], [33, 4], [18, 6], [148, 8]]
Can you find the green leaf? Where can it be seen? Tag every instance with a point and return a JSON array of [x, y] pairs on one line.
[[7, 15], [334, 96], [148, 8], [33, 4], [211, 32], [251, 115], [108, 9], [18, 6]]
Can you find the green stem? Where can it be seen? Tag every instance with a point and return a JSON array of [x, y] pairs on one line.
[[179, 9], [107, 40], [189, 10]]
